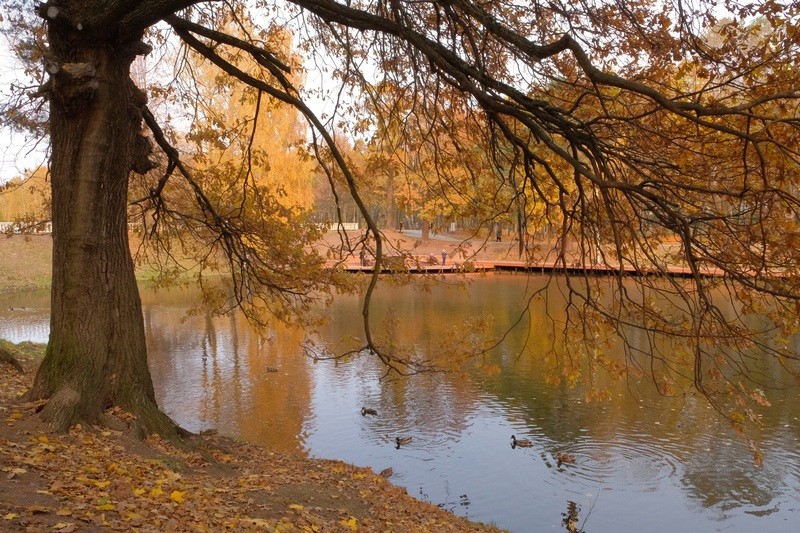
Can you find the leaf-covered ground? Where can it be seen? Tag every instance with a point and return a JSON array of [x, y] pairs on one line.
[[95, 479]]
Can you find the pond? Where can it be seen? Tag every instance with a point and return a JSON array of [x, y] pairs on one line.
[[642, 462]]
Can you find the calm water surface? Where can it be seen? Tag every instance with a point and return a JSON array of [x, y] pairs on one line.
[[643, 462]]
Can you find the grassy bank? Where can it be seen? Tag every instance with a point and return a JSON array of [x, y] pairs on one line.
[[25, 262]]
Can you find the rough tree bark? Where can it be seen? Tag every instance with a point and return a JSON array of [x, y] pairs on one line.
[[96, 355]]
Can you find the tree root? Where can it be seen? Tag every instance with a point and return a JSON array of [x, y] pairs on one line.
[[8, 357]]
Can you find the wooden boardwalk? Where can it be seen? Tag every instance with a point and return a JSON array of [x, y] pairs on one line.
[[538, 268]]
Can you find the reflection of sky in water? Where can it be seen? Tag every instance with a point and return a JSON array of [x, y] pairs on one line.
[[675, 467], [25, 317]]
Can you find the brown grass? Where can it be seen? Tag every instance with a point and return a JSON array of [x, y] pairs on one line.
[[25, 262]]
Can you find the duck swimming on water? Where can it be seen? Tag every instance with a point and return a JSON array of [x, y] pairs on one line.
[[522, 443], [368, 411], [401, 441], [562, 458]]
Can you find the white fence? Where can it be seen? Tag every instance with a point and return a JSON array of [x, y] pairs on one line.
[[42, 227], [47, 227], [343, 226]]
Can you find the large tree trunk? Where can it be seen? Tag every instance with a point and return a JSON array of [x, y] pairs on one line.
[[96, 355]]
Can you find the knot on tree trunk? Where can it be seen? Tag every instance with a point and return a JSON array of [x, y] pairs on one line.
[[73, 84], [141, 158], [59, 13]]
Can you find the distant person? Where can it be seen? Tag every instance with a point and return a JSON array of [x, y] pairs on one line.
[[499, 234], [444, 257], [363, 256], [401, 227]]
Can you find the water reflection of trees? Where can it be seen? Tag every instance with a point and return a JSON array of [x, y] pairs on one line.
[[678, 431], [637, 429], [217, 372], [641, 424]]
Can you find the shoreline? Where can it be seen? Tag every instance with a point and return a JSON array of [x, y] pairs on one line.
[[104, 479], [97, 479], [26, 260]]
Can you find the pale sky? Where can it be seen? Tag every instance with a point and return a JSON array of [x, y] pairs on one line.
[[17, 153]]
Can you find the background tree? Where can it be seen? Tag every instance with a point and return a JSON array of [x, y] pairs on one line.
[[629, 144], [26, 201]]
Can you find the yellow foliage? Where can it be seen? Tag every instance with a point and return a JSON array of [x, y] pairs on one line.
[[177, 496], [352, 523]]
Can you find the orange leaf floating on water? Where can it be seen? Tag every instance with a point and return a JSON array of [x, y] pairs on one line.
[[491, 370]]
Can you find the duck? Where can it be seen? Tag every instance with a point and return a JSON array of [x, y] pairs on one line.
[[402, 441], [387, 472], [368, 411], [562, 458], [522, 443]]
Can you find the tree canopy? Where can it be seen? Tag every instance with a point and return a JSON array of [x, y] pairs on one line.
[[620, 126]]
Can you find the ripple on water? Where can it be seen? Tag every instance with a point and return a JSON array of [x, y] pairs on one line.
[[632, 465]]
